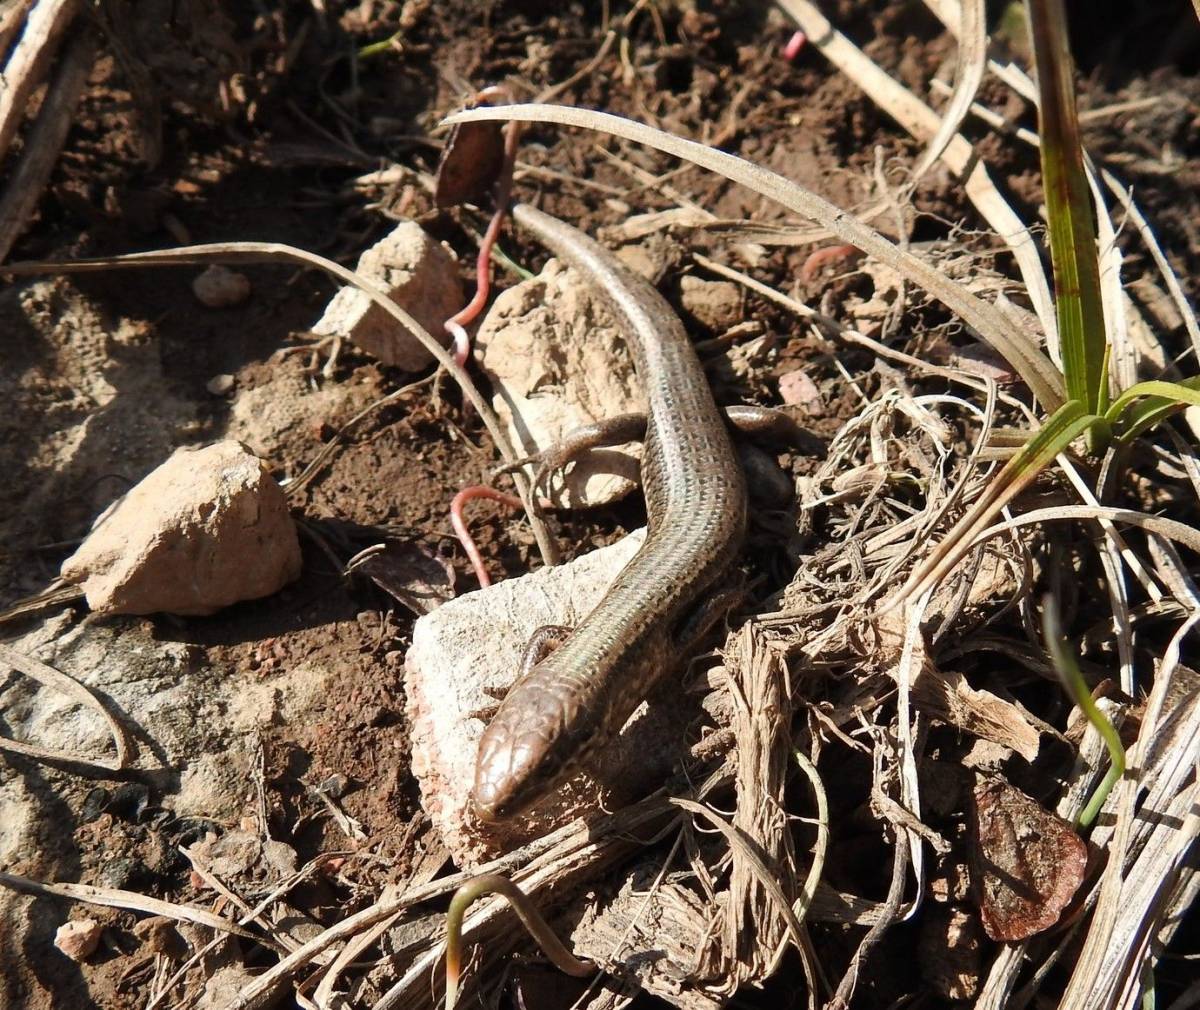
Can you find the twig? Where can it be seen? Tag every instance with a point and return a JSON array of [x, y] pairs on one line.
[[111, 897], [25, 69], [45, 140], [895, 897]]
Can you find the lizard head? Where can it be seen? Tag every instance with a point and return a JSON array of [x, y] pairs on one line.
[[524, 754]]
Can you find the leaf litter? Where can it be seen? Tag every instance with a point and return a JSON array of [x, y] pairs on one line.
[[821, 678]]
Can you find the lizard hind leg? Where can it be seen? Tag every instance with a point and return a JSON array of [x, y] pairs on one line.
[[704, 617]]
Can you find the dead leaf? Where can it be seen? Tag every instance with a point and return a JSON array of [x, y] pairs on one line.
[[415, 577], [1027, 862]]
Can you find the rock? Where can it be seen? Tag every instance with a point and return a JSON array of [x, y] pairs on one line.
[[199, 724], [796, 387], [420, 276], [557, 362], [208, 528], [714, 304], [220, 288], [160, 935], [221, 385], [467, 649], [78, 939]]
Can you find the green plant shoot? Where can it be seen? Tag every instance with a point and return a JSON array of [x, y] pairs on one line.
[[1067, 668]]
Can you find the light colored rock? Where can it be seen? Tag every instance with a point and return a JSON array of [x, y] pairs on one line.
[[208, 528], [472, 646], [797, 387], [715, 304], [420, 276], [221, 385], [219, 287], [79, 938], [557, 362]]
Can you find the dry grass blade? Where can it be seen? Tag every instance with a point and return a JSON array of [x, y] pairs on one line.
[[270, 252], [44, 144], [822, 847], [968, 75], [1125, 916], [992, 325], [111, 897], [50, 677], [1123, 363], [1164, 267], [53, 595], [922, 122], [1172, 529], [44, 29]]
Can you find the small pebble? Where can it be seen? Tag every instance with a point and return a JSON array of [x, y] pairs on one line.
[[78, 939], [220, 385], [219, 287], [798, 388]]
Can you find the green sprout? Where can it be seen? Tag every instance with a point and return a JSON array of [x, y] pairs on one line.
[[1067, 668]]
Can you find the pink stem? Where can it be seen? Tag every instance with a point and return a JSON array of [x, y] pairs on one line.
[[794, 45], [460, 524], [456, 325]]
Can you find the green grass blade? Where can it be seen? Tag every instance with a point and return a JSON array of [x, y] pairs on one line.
[[1067, 668], [1078, 302], [1060, 430], [1158, 396]]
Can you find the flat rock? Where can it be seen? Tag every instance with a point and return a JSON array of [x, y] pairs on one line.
[[197, 726], [208, 528], [420, 276], [558, 362], [467, 649]]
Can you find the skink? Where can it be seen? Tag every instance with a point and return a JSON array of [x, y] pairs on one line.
[[579, 695]]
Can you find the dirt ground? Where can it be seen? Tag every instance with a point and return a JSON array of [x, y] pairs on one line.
[[258, 120]]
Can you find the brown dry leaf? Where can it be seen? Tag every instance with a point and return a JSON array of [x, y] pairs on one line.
[[946, 695], [470, 163], [1027, 862], [415, 577]]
